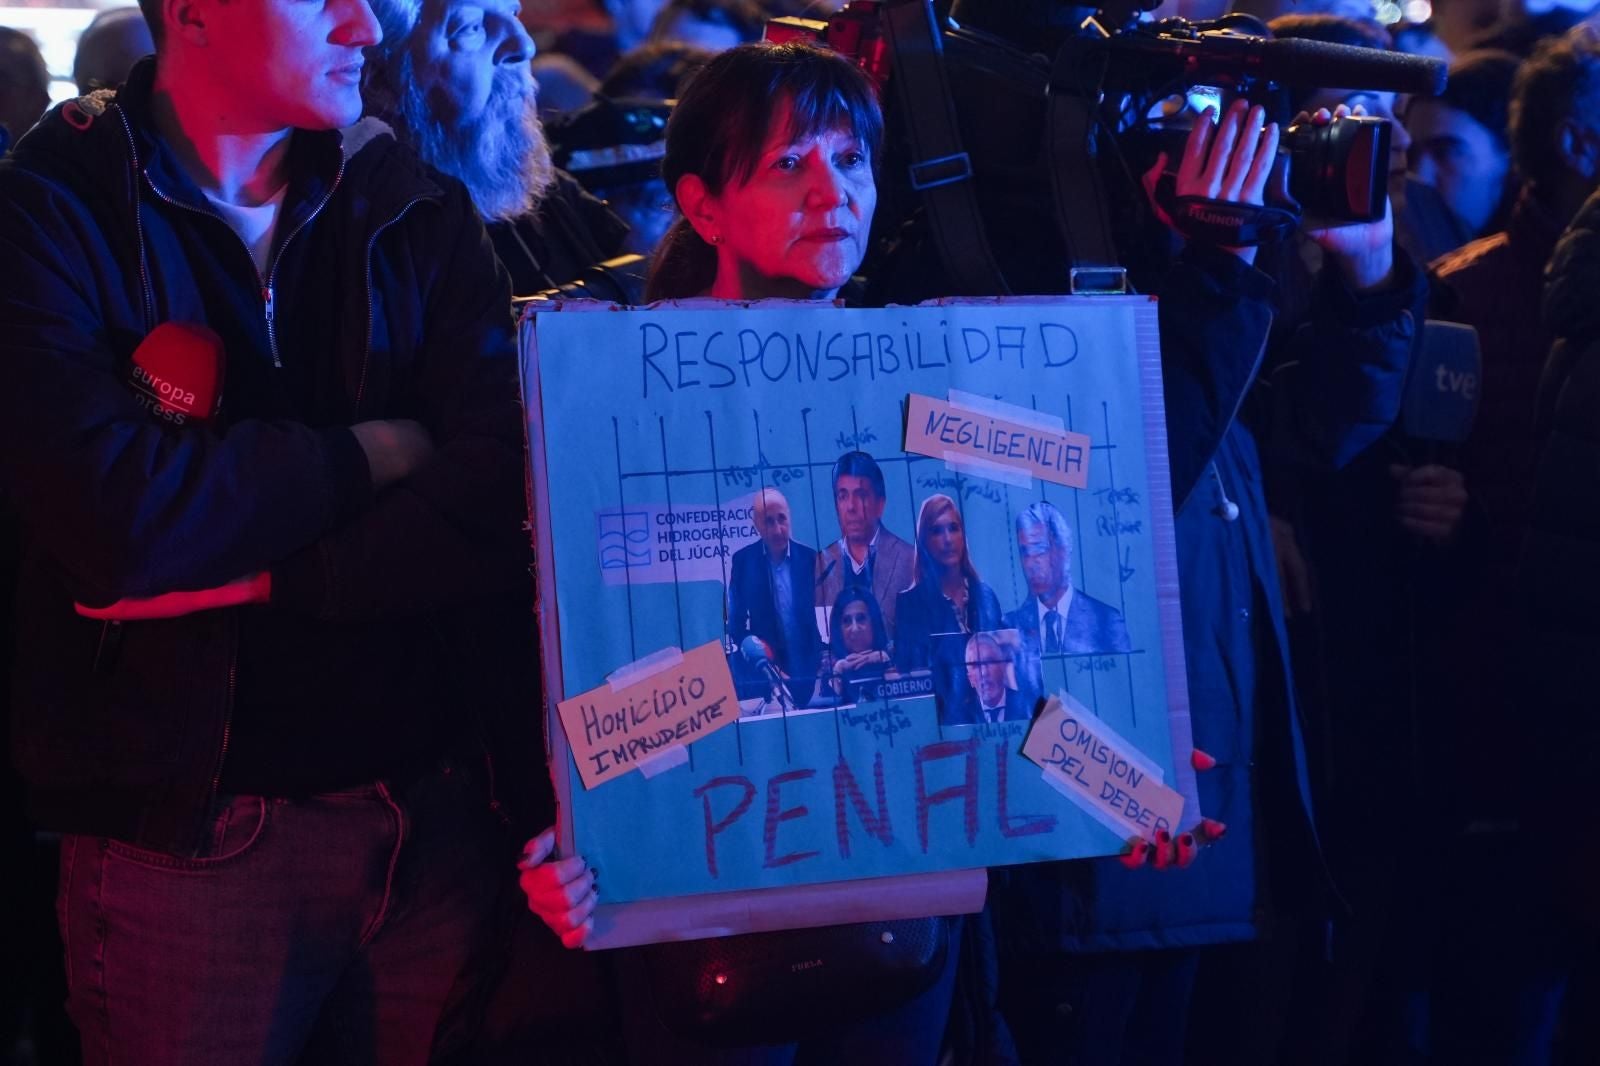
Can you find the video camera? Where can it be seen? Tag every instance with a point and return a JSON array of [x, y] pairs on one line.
[[1014, 112]]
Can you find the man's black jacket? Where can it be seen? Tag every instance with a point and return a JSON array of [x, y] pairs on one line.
[[387, 294]]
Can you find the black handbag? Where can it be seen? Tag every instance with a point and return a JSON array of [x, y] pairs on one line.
[[776, 988]]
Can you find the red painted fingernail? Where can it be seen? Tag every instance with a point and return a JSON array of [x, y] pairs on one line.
[[1186, 849], [1212, 829], [1200, 760], [1134, 857], [1163, 855]]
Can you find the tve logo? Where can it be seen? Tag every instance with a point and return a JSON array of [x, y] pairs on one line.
[[1441, 399]]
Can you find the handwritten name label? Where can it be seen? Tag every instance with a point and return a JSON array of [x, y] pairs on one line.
[[1100, 771], [612, 730], [946, 430], [884, 720]]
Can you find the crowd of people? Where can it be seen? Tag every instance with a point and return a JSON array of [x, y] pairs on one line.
[[271, 650]]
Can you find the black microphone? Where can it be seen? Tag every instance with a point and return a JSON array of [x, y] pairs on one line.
[[1443, 385], [1291, 61], [755, 650]]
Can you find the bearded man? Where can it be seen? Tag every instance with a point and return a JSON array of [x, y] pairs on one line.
[[452, 78]]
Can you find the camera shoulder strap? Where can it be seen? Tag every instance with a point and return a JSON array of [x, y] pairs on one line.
[[941, 171], [1080, 196]]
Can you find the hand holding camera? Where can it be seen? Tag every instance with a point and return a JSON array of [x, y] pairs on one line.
[[1363, 250], [1227, 160]]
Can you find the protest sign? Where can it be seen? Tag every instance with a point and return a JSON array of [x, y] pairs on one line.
[[891, 608]]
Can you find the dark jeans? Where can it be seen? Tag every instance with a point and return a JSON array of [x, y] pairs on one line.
[[1115, 1009], [338, 929]]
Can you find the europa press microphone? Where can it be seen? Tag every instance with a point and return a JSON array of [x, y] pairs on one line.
[[755, 651], [177, 373]]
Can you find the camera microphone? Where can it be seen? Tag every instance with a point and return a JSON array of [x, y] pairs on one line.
[[1289, 61], [1297, 61]]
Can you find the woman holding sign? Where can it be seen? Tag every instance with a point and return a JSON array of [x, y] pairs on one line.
[[770, 156], [776, 191]]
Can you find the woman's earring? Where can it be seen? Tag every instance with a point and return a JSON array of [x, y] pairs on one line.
[[716, 238]]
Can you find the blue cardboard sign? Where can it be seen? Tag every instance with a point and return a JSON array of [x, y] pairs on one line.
[[892, 620]]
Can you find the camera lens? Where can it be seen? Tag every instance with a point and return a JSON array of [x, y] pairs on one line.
[[1339, 172]]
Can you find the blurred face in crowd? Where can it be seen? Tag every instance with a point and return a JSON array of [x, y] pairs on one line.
[[278, 64], [1459, 158], [946, 542], [1458, 22], [647, 209], [772, 521], [986, 672], [705, 33], [24, 83], [1378, 105], [859, 506], [467, 94], [109, 48], [797, 226], [856, 626], [1044, 565], [632, 19]]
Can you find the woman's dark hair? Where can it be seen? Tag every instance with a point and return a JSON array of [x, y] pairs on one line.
[[722, 120], [852, 594]]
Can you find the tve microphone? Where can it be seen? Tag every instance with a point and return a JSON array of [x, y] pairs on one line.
[[178, 371], [1443, 388]]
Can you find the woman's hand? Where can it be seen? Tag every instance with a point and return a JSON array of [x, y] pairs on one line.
[[562, 892], [1164, 851], [1223, 160]]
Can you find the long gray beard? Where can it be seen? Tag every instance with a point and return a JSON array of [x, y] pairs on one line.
[[501, 156]]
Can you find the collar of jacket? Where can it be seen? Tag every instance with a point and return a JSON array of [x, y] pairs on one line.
[[319, 160], [1533, 231]]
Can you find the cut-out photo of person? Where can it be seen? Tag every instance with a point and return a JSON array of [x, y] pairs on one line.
[[996, 687], [859, 648], [945, 604], [769, 598], [866, 553], [1057, 619]]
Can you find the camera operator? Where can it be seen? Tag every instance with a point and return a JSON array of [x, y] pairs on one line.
[[1134, 934]]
